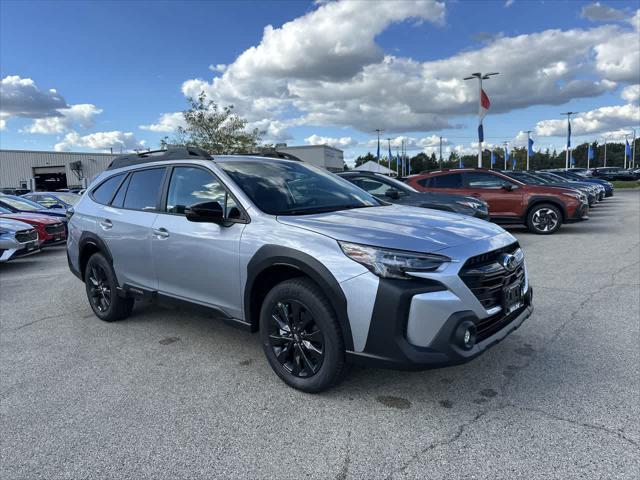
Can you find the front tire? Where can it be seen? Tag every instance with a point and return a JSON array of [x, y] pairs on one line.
[[301, 336], [101, 286], [544, 219]]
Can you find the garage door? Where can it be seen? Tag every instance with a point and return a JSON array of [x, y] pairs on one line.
[[50, 179]]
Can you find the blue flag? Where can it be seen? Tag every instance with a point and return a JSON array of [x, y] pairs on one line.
[[514, 161], [530, 147], [569, 134], [378, 154], [506, 155], [390, 156], [590, 152], [399, 160], [493, 158], [627, 149], [572, 160], [460, 164]]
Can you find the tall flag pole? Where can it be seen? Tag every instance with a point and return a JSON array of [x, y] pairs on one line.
[[605, 152], [378, 131], [390, 156], [397, 161], [484, 105], [493, 158], [627, 149], [529, 147], [568, 114], [506, 154], [633, 150], [589, 155]]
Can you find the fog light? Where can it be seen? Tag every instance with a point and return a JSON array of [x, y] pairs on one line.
[[465, 335]]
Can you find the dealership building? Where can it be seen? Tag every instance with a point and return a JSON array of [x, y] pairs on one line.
[[49, 171]]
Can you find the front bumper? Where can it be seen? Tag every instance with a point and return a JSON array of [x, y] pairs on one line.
[[12, 250], [579, 214]]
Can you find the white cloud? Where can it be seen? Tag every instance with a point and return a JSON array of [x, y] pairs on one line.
[[273, 131], [168, 122], [326, 67], [601, 13], [21, 97], [631, 93], [3, 124], [99, 141], [342, 142], [81, 115], [220, 67], [595, 121]]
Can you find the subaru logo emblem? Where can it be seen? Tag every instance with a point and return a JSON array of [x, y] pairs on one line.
[[509, 262]]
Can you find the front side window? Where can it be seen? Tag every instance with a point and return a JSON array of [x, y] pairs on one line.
[[374, 187], [144, 189], [452, 180], [191, 186], [295, 188], [484, 180], [68, 198]]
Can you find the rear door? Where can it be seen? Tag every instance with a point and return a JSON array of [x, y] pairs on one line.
[[126, 225], [504, 197], [198, 261]]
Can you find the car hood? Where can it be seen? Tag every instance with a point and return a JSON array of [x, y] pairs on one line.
[[399, 227], [13, 225], [31, 217], [418, 198]]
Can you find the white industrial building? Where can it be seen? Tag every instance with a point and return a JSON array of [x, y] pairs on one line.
[[319, 155], [36, 170]]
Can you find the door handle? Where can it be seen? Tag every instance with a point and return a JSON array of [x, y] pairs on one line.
[[106, 224], [161, 232]]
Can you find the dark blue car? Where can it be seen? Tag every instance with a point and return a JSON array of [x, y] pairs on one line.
[[608, 186], [19, 204]]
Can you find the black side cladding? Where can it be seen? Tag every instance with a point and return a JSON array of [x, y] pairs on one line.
[[275, 255], [174, 153]]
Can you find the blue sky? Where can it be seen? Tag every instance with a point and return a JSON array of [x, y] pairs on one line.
[[333, 74]]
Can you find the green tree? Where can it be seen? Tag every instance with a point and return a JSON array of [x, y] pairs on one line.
[[216, 129], [365, 158]]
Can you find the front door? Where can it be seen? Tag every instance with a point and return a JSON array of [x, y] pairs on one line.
[[198, 261], [504, 197]]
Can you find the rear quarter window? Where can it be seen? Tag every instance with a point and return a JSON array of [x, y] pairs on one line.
[[452, 180], [105, 191]]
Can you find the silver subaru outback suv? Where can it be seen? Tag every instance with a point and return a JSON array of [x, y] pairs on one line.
[[325, 272]]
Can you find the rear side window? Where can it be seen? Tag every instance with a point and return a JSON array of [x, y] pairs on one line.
[[144, 189], [424, 182], [104, 193], [118, 200], [484, 180], [453, 180]]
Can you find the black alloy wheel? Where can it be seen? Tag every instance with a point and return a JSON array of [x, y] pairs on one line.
[[296, 339], [99, 289]]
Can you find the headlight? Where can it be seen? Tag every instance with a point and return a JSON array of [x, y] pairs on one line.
[[388, 263], [474, 205], [574, 195]]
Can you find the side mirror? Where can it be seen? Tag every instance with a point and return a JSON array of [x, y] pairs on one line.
[[56, 205], [392, 193], [508, 187], [210, 212]]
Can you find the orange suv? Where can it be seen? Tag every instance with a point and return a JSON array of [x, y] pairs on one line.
[[541, 208]]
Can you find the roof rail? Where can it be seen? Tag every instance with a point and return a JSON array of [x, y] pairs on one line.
[[172, 153]]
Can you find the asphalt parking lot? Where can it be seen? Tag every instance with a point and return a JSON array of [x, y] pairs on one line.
[[174, 394]]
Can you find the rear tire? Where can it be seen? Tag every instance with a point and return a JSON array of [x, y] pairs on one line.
[[101, 286], [544, 219], [301, 337]]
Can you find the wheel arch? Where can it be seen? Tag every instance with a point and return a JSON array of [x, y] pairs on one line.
[[89, 244], [537, 200], [273, 264]]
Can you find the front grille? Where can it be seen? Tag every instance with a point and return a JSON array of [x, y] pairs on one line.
[[23, 236], [485, 277], [54, 228]]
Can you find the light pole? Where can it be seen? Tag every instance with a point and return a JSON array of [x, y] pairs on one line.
[[605, 152], [378, 131], [568, 114], [528, 132], [484, 107]]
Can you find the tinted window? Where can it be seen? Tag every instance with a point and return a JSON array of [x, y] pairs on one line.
[[144, 188], [374, 187], [118, 200], [104, 193], [484, 180], [190, 186], [424, 182], [453, 180], [295, 188]]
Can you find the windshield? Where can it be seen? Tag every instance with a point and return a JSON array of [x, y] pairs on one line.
[[400, 185], [552, 177], [68, 198], [294, 188], [22, 204], [525, 178]]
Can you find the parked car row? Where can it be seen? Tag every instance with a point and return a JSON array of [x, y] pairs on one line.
[[27, 226], [542, 201], [613, 173]]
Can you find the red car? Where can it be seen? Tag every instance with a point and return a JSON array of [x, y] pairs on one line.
[[51, 231], [541, 208]]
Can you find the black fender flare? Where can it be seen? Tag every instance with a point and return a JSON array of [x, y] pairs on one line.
[[90, 238], [275, 255], [535, 199]]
